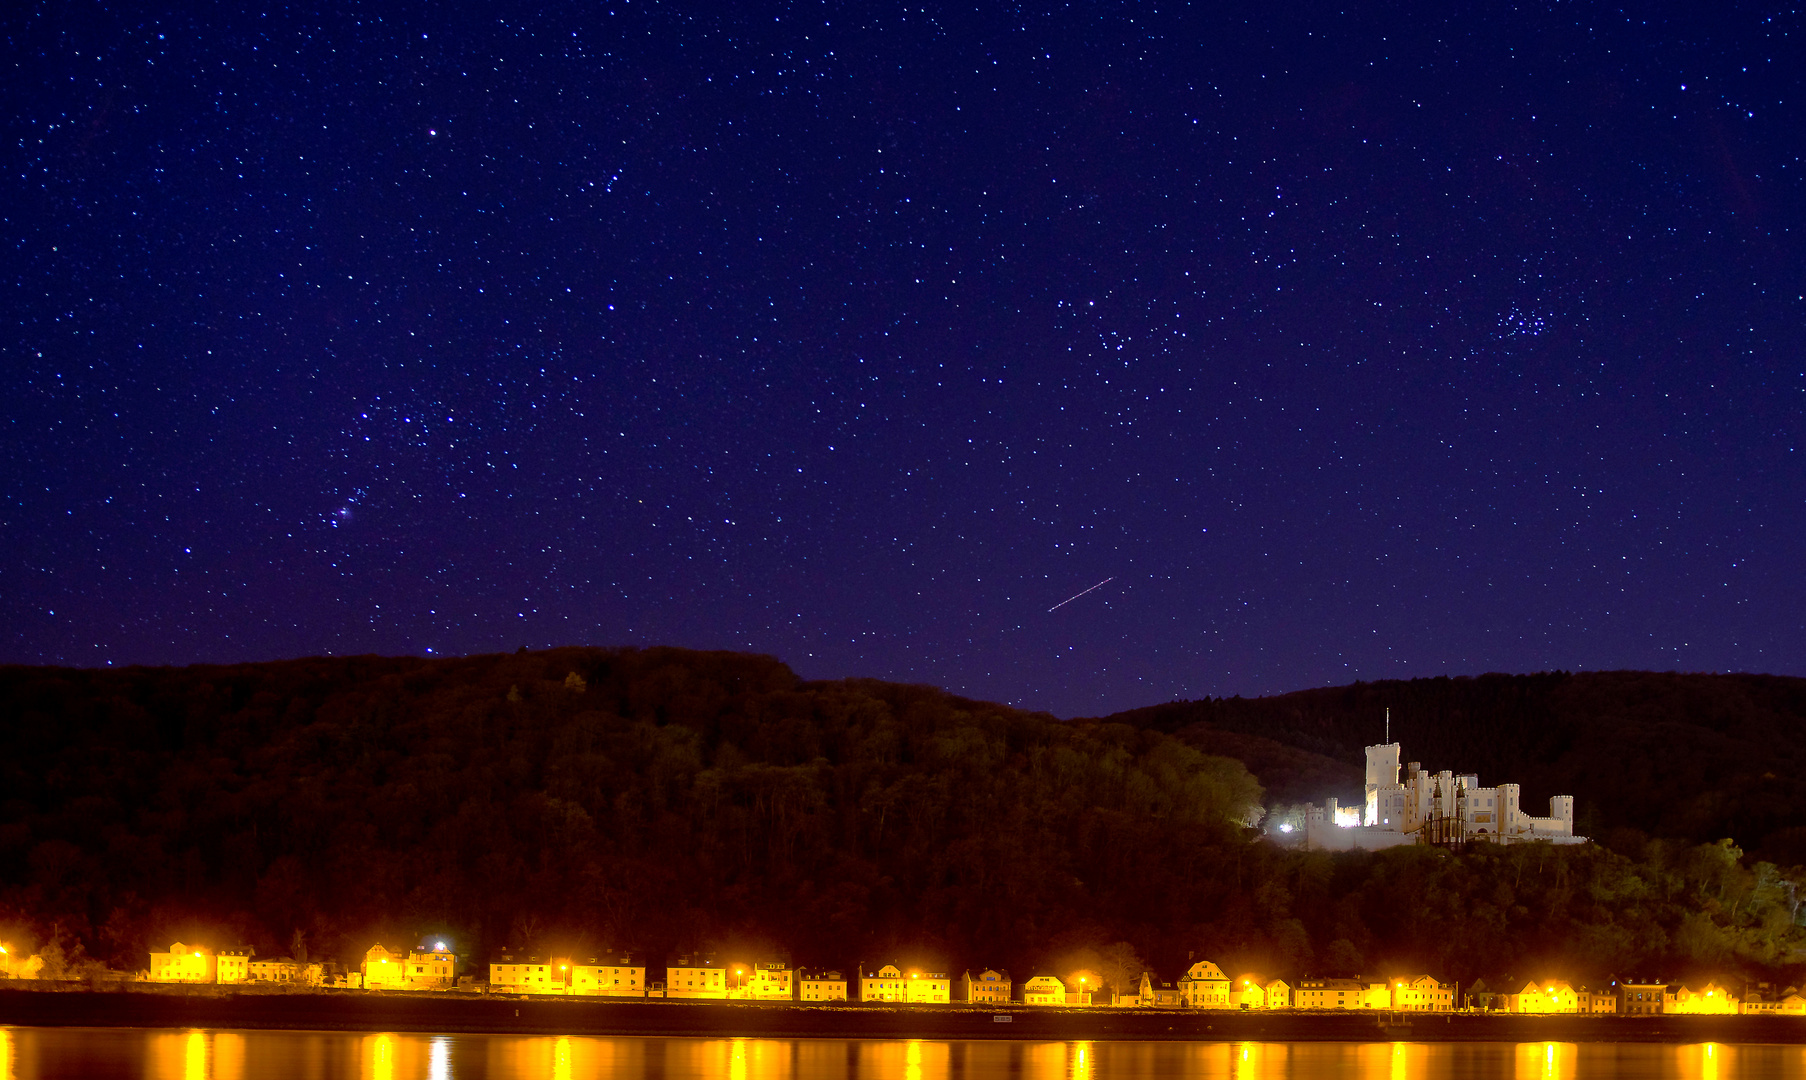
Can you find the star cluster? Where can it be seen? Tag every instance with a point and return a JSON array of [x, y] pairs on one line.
[[1347, 344]]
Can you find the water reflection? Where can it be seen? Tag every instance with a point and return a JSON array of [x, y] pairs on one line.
[[53, 1054], [191, 1055], [382, 1057], [1546, 1061]]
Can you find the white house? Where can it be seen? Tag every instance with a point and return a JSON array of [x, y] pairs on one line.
[[1044, 990], [1204, 986]]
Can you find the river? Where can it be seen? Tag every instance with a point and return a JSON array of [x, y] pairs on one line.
[[106, 1053]]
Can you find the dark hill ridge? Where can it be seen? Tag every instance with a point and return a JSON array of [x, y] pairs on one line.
[[664, 799], [657, 799], [1691, 756]]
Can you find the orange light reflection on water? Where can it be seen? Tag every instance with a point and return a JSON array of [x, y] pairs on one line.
[[27, 1054], [1545, 1061], [1083, 1056], [380, 1057], [1711, 1055]]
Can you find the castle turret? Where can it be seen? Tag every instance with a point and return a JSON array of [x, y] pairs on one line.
[[1382, 772], [1561, 808], [1511, 819]]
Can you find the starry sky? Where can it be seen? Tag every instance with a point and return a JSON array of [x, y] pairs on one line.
[[1421, 340]]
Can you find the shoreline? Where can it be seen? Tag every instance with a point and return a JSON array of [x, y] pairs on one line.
[[460, 1013]]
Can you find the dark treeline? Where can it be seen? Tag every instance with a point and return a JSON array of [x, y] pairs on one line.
[[667, 800], [1696, 757]]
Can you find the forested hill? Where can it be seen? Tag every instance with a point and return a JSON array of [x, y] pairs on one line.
[[654, 800], [1700, 757], [665, 800]]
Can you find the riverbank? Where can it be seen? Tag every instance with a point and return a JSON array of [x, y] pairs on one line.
[[168, 1007]]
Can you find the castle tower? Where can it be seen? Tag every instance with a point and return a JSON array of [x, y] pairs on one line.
[[1561, 808], [1511, 819], [1382, 772]]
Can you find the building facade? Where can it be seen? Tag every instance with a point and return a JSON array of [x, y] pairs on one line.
[[1204, 986], [1155, 994], [1641, 998], [1788, 1003], [286, 970], [988, 987], [616, 976], [1425, 993], [570, 976], [1330, 994], [1708, 1000], [384, 969], [696, 977], [1248, 992], [891, 983], [1596, 1002], [182, 964], [1043, 990], [1547, 996], [764, 981], [233, 965], [929, 988], [885, 984], [523, 973], [821, 986], [434, 968]]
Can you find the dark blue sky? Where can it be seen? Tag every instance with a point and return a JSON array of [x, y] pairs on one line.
[[1425, 341]]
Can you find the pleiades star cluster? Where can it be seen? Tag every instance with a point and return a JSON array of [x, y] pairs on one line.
[[1335, 341]]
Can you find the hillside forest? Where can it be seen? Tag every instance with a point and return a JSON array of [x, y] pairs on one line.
[[662, 801]]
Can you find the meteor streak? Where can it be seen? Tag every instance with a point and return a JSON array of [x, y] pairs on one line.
[[1075, 596]]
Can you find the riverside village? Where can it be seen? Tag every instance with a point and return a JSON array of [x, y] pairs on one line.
[[1443, 808]]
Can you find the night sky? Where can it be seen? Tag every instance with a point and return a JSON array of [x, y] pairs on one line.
[[1345, 345]]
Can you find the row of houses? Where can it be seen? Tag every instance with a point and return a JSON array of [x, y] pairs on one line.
[[1636, 998], [429, 967], [1204, 986]]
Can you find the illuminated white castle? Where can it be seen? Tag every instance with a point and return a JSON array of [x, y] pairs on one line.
[[1432, 808]]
